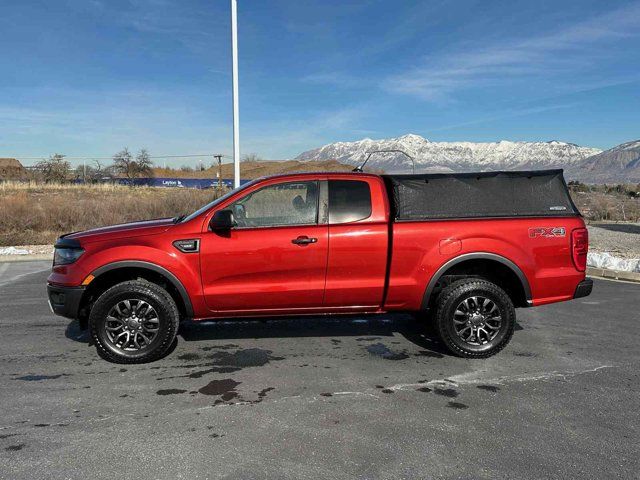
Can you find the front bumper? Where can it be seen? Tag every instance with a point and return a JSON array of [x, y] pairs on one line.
[[584, 288], [65, 301]]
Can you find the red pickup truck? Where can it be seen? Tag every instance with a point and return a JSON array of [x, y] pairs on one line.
[[469, 248]]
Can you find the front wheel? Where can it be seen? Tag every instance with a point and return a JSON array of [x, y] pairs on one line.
[[474, 318], [134, 322]]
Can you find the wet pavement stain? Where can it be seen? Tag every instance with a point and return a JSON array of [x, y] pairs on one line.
[[249, 357], [201, 373], [381, 350], [38, 378], [264, 391], [488, 388], [15, 448], [457, 405], [446, 392], [220, 347], [225, 388], [229, 362], [170, 391]]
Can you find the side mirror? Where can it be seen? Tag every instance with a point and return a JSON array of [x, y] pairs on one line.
[[222, 220]]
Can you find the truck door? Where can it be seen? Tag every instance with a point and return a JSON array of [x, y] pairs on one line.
[[276, 256], [358, 243]]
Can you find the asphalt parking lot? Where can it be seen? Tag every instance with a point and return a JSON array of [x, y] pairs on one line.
[[322, 398]]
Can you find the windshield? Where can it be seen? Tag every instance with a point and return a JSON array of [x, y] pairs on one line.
[[217, 201]]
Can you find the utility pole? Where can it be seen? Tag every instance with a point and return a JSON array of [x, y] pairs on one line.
[[236, 119], [219, 157]]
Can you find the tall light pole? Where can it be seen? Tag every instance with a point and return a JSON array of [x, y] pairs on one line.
[[236, 119]]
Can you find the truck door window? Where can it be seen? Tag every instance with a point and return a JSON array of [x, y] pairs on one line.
[[293, 203], [349, 201]]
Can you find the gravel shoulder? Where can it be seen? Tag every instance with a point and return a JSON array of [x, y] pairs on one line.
[[619, 239]]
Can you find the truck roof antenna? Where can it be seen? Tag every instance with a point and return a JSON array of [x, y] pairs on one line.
[[361, 167]]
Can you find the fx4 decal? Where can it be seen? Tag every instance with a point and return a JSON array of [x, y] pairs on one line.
[[547, 232]]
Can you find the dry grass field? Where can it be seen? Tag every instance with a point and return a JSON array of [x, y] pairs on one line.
[[36, 214], [33, 214], [258, 169]]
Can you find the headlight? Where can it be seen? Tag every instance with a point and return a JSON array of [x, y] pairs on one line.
[[65, 256]]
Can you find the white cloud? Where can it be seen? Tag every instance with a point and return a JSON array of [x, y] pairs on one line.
[[571, 50]]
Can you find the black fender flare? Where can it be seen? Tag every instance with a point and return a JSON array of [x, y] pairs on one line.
[[476, 256], [154, 268]]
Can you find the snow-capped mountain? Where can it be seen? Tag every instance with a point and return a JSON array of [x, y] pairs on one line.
[[453, 156], [618, 164]]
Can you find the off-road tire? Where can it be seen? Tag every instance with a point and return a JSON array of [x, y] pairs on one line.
[[154, 295], [450, 298]]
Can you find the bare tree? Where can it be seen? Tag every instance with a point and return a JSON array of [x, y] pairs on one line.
[[144, 164], [251, 157], [98, 171], [126, 165], [54, 169], [98, 167]]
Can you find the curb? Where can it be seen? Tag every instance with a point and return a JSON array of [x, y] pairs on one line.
[[26, 258], [613, 274]]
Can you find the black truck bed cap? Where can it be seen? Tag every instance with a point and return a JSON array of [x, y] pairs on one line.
[[538, 193]]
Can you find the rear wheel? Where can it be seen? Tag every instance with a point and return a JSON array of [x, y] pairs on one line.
[[134, 322], [474, 318]]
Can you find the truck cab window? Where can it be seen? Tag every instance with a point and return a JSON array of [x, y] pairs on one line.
[[349, 201], [294, 203]]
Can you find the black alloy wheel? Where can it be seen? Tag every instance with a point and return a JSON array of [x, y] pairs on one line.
[[475, 318], [134, 322]]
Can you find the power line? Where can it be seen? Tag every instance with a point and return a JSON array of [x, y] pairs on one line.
[[87, 157], [157, 157]]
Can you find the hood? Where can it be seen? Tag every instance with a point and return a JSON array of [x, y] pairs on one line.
[[133, 229]]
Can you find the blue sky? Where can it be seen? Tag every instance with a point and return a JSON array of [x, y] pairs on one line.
[[88, 77]]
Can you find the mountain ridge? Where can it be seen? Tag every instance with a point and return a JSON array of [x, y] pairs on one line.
[[618, 164], [453, 156]]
